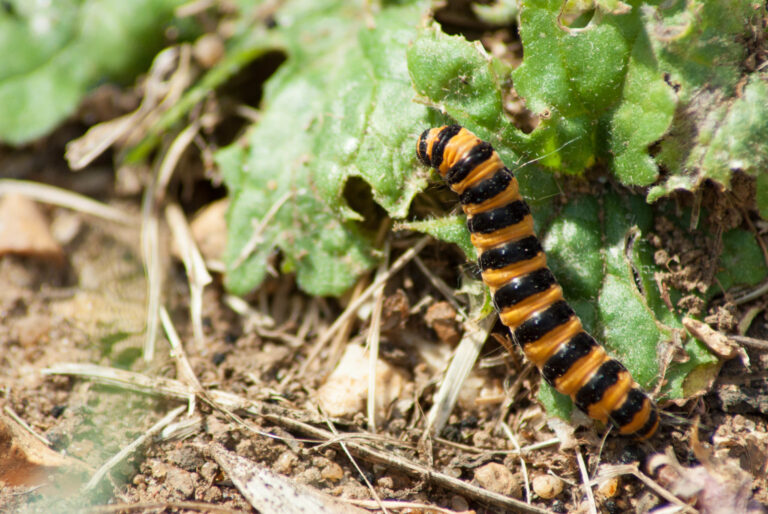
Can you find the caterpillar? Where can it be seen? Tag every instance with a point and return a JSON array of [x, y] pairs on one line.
[[525, 293]]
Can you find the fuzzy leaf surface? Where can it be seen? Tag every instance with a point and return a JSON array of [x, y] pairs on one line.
[[339, 107]]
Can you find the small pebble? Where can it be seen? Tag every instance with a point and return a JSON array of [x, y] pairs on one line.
[[285, 463], [459, 503], [495, 477], [332, 472], [547, 486], [608, 487]]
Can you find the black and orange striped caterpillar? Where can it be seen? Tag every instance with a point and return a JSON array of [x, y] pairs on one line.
[[526, 295]]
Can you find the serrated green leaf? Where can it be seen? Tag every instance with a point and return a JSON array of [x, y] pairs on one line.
[[54, 52], [339, 107], [600, 87], [701, 46], [460, 79]]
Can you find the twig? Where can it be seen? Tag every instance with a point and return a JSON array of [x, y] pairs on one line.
[[523, 467], [758, 344], [586, 481], [122, 454], [120, 507], [755, 293], [396, 505], [523, 450], [354, 305], [63, 198]]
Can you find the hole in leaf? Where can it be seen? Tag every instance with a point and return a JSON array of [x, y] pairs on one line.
[[359, 197]]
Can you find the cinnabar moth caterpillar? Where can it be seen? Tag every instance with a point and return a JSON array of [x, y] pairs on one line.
[[527, 296]]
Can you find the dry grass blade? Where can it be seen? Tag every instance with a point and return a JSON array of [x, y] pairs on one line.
[[83, 150], [155, 386], [145, 507], [197, 274], [125, 452], [372, 341], [63, 198], [585, 480], [26, 426], [523, 467], [172, 156], [461, 365], [150, 249], [183, 367]]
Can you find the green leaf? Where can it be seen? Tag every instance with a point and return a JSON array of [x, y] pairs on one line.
[[599, 88], [451, 229], [718, 129], [742, 262], [55, 52], [339, 107], [732, 136], [460, 79]]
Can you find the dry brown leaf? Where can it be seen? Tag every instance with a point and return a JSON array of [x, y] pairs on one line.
[[24, 230], [24, 459]]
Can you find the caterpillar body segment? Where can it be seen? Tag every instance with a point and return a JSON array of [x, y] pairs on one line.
[[528, 298]]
